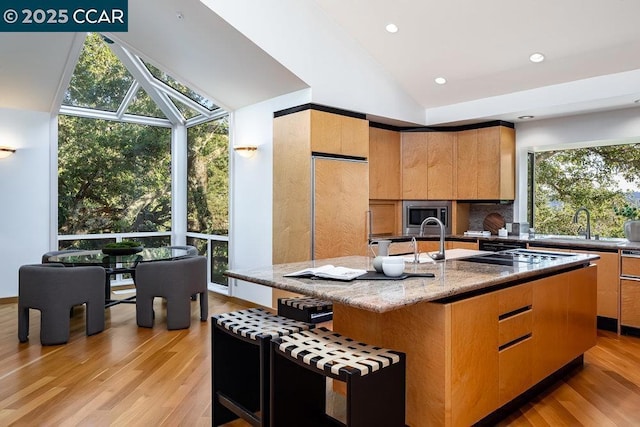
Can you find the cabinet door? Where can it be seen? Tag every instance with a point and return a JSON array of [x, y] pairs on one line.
[[607, 282], [440, 165], [581, 311], [338, 134], [340, 208], [488, 168], [474, 358], [630, 303], [385, 218], [384, 165], [415, 167], [467, 165], [549, 325]]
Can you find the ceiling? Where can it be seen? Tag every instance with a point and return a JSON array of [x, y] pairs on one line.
[[482, 48], [592, 50]]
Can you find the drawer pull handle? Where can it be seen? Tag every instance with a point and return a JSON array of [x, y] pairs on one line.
[[514, 312], [514, 342]]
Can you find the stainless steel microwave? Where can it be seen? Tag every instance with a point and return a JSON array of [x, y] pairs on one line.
[[414, 212]]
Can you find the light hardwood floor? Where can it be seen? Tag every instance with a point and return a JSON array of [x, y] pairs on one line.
[[132, 376]]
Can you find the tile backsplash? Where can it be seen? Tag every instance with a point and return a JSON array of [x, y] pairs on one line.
[[477, 213]]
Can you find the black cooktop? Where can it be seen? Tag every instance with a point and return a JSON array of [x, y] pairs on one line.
[[517, 257]]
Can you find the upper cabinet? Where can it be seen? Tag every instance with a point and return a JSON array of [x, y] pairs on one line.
[[428, 165], [485, 164], [339, 134], [384, 165]]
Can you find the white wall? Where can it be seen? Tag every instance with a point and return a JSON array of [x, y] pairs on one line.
[[24, 189], [610, 127], [322, 54], [251, 191]]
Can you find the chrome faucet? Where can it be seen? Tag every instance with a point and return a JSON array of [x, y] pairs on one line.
[[587, 233], [440, 254], [416, 255]]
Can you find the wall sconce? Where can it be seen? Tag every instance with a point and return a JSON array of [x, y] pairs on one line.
[[6, 152], [246, 150]]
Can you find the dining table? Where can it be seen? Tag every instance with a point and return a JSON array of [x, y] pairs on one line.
[[117, 262]]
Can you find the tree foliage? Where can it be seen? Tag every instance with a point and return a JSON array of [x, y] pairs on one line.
[[116, 177], [586, 177]]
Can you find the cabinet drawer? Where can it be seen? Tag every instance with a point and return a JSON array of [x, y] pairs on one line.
[[630, 303], [630, 266], [515, 327], [515, 298], [515, 375]]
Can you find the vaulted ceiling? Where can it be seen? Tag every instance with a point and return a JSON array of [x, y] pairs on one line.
[[592, 50]]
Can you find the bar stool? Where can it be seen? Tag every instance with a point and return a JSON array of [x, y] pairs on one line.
[[305, 309], [301, 363], [240, 360]]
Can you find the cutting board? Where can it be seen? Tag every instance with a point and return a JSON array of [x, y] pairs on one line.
[[493, 222]]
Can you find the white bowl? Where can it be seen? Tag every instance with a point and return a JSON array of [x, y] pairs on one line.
[[393, 266]]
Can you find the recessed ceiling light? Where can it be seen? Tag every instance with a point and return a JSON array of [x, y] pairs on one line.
[[536, 57], [440, 80], [392, 28], [525, 117]]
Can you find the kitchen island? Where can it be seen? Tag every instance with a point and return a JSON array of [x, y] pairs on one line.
[[476, 335]]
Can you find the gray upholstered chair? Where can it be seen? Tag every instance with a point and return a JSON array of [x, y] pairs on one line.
[[54, 290], [176, 281]]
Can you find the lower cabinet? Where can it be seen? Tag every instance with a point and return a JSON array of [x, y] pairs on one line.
[[506, 341], [608, 276]]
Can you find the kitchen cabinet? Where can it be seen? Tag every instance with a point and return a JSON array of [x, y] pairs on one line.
[[319, 206], [384, 165], [338, 134], [340, 208], [428, 165], [386, 218], [630, 289], [564, 319], [485, 164], [608, 277]]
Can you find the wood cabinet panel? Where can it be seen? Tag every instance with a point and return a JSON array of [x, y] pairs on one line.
[[466, 165], [549, 325], [629, 266], [515, 298], [452, 244], [291, 188], [385, 219], [515, 327], [415, 167], [338, 134], [608, 279], [384, 165], [440, 165], [515, 375], [630, 303], [581, 311], [488, 162], [340, 208], [485, 164], [474, 358]]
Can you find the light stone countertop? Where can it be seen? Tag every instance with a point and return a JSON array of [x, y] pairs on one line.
[[452, 277]]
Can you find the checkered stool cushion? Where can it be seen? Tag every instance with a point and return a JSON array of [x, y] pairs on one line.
[[306, 309], [255, 323], [333, 354]]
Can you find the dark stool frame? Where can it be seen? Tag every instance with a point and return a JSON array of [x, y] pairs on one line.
[[305, 309], [298, 385], [240, 360]]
